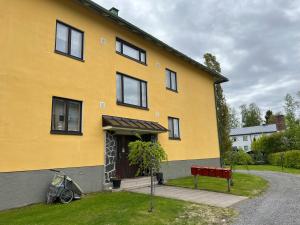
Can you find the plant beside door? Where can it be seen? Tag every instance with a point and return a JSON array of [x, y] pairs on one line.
[[148, 156]]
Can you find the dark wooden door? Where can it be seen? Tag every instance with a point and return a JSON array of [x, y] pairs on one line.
[[124, 170]]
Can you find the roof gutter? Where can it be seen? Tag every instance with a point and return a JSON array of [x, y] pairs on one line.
[[218, 78]]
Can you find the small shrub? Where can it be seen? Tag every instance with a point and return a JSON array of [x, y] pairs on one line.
[[275, 159], [238, 157], [289, 159], [292, 159]]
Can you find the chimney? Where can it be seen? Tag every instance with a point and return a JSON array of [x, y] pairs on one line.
[[280, 122], [114, 11]]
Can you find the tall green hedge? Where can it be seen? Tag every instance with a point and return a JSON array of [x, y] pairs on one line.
[[289, 159]]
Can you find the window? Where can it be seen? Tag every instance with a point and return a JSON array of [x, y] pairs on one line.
[[234, 139], [171, 80], [131, 51], [66, 116], [245, 138], [246, 148], [69, 41], [131, 91], [173, 124]]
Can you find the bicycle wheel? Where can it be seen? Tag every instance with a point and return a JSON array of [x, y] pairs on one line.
[[66, 196]]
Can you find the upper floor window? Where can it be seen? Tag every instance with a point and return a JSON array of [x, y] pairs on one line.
[[245, 138], [69, 40], [66, 116], [130, 51], [173, 125], [171, 80], [234, 139], [131, 91]]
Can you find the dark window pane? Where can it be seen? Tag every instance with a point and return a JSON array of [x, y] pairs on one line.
[[62, 38], [118, 46], [173, 81], [76, 43], [119, 88], [131, 52], [143, 57], [74, 116], [176, 128], [168, 79], [131, 91], [144, 94], [170, 127], [59, 115]]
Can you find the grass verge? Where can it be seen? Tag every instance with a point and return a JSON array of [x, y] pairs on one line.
[[268, 168], [117, 209], [244, 184]]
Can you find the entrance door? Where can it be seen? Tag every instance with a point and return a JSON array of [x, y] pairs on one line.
[[124, 170]]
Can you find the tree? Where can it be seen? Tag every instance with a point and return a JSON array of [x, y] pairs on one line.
[[221, 107], [298, 95], [290, 108], [270, 118], [251, 115], [234, 121], [148, 156]]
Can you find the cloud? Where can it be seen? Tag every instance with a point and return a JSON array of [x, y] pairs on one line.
[[257, 42]]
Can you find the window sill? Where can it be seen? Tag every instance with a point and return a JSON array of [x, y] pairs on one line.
[[70, 56], [128, 57], [132, 106], [169, 89], [66, 132], [174, 139]]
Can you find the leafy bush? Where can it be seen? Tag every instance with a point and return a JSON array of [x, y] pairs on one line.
[[146, 155], [276, 159], [289, 159], [258, 158], [267, 144], [238, 157]]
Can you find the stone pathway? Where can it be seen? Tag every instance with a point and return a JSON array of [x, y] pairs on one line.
[[192, 195]]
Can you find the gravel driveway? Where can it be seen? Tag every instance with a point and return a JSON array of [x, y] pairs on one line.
[[280, 205]]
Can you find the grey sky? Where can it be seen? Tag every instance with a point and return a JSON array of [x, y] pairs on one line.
[[257, 42]]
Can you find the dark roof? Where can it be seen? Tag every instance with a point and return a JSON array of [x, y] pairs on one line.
[[219, 78], [120, 122]]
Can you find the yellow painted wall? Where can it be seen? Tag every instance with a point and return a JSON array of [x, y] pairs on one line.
[[31, 73]]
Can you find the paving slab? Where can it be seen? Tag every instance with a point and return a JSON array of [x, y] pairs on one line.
[[193, 195]]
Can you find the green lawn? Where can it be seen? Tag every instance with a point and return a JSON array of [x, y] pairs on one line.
[[244, 184], [269, 168], [117, 209]]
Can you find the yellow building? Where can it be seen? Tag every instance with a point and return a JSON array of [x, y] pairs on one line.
[[77, 82]]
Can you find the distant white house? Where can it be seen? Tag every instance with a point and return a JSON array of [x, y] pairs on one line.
[[243, 137]]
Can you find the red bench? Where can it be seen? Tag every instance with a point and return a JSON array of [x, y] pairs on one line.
[[197, 171]]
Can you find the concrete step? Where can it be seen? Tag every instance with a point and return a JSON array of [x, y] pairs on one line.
[[128, 184]]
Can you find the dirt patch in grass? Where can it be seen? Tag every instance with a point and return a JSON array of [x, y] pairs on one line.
[[195, 214]]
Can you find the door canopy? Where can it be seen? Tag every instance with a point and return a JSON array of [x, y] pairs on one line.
[[121, 124]]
